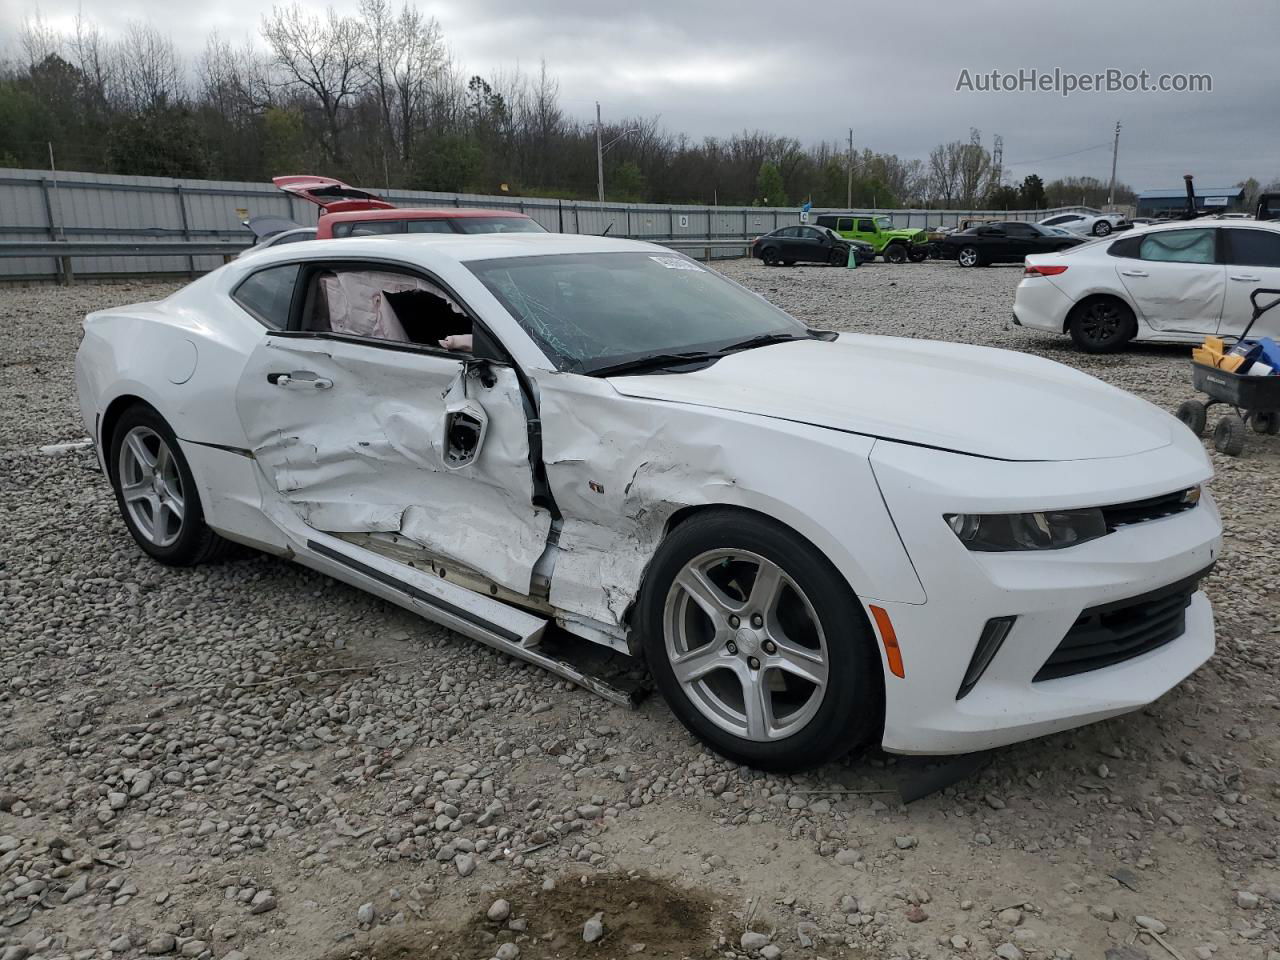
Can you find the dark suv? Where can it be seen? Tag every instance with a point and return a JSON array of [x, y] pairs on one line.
[[807, 244]]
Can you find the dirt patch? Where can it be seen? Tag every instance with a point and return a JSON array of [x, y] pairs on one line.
[[642, 917]]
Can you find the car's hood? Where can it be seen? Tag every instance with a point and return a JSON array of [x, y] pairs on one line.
[[975, 400]]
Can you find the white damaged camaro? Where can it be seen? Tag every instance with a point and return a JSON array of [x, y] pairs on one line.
[[814, 541]]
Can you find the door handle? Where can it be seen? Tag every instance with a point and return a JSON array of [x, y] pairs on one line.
[[300, 379], [1247, 278], [1134, 273]]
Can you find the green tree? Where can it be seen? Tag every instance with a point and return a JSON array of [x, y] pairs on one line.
[[161, 142], [1004, 197], [1032, 192], [626, 183], [770, 191], [284, 139], [451, 162]]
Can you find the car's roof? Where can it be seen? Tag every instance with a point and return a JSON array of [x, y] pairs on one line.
[[467, 247], [410, 213]]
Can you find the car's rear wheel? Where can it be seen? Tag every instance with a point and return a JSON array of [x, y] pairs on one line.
[[758, 644], [895, 253], [1101, 228], [156, 492], [969, 257], [770, 256], [1101, 325]]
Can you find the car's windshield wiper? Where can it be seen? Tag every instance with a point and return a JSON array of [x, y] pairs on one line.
[[652, 362], [763, 340]]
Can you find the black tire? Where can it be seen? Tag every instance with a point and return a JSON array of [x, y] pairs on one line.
[[1265, 422], [1228, 436], [195, 542], [969, 256], [1101, 325], [1102, 228], [851, 711], [895, 253], [839, 257], [918, 254], [770, 256], [788, 263], [1194, 414]]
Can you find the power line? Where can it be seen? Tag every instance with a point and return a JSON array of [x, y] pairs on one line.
[[1073, 153]]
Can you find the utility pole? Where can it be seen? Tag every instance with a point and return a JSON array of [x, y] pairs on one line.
[[1115, 151], [599, 156], [848, 200]]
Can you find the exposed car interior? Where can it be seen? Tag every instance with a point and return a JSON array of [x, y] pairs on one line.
[[382, 305]]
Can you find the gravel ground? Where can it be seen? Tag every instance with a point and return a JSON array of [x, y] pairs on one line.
[[248, 760]]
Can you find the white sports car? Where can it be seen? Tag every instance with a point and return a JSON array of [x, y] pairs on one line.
[[1086, 224], [814, 541], [1172, 282]]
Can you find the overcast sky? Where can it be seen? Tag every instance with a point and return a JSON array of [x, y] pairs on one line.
[[890, 71]]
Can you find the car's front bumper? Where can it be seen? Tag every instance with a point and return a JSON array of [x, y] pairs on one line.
[[1045, 590]]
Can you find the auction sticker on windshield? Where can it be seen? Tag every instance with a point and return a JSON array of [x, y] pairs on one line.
[[677, 263]]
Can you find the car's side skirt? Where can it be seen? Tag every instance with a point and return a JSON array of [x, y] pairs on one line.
[[496, 625]]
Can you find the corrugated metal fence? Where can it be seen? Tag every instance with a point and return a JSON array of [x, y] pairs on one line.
[[41, 205]]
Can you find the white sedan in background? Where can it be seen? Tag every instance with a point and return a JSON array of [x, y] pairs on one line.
[[1171, 283], [1086, 224], [815, 541]]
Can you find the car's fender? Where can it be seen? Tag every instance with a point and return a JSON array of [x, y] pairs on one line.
[[620, 468]]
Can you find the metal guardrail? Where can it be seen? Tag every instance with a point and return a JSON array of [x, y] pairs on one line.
[[66, 250]]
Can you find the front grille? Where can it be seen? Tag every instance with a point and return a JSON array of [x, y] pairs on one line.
[[1112, 633], [1153, 508]]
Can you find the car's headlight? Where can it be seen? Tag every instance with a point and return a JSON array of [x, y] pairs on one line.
[[1048, 530]]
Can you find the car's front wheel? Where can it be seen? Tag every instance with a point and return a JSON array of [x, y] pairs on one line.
[[969, 257], [156, 492], [919, 254], [758, 644], [1101, 228], [895, 253], [1101, 325]]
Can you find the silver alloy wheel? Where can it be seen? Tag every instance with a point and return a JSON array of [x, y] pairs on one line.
[[968, 257], [745, 644], [151, 486]]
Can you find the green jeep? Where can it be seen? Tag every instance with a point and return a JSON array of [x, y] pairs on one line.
[[896, 246]]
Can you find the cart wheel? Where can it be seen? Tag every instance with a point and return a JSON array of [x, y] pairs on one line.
[[1194, 414], [1228, 436], [1265, 422]]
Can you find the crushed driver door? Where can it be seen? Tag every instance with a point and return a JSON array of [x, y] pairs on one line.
[[360, 436]]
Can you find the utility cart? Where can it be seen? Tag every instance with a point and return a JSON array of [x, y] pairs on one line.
[[1254, 400]]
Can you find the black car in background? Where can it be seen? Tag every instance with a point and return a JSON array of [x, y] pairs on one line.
[[808, 244], [1003, 242]]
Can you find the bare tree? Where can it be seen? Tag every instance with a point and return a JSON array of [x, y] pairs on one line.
[[326, 55], [150, 73], [38, 40]]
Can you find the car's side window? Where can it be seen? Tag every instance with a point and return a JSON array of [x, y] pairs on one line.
[[844, 223], [788, 232], [1058, 221], [866, 226], [380, 303], [1021, 230], [809, 233], [1179, 246], [1130, 247], [268, 294], [1253, 248]]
